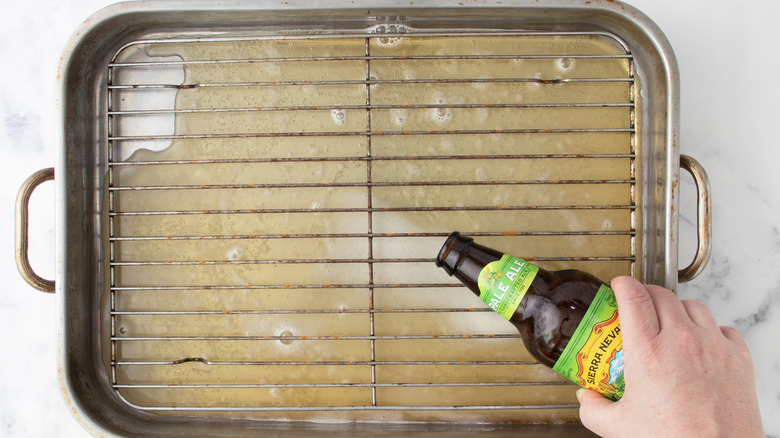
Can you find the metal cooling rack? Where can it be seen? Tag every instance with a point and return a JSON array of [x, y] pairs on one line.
[[141, 391]]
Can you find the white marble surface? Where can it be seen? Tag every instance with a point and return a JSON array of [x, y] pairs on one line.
[[728, 58]]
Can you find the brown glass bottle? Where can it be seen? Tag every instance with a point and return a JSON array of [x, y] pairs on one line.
[[552, 307]]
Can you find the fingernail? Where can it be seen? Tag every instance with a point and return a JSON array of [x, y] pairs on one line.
[[580, 392]]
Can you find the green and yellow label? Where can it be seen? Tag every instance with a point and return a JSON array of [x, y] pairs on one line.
[[594, 356], [503, 283]]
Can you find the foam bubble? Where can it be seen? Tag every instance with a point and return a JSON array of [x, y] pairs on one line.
[[399, 117], [286, 334], [339, 116], [235, 253], [441, 114], [390, 41]]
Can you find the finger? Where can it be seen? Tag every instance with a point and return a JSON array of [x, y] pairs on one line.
[[733, 335], [700, 314], [637, 312], [669, 308], [596, 412]]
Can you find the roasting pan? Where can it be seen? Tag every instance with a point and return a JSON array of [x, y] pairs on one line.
[[250, 196]]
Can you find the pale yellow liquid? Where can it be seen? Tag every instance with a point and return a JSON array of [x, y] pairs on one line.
[[352, 355]]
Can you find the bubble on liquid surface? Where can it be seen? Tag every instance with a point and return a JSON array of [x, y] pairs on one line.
[[339, 116], [398, 116], [286, 337], [390, 41], [566, 63], [235, 253], [480, 85], [440, 113]]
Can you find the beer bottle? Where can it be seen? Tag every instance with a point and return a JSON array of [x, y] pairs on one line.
[[568, 319]]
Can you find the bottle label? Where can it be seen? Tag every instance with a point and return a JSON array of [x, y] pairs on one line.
[[593, 357], [503, 283]]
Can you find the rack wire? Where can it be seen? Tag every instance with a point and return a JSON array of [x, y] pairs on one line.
[[272, 251]]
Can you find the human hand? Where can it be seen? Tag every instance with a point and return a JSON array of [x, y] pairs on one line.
[[685, 375]]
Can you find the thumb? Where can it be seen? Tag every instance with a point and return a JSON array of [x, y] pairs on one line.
[[596, 411]]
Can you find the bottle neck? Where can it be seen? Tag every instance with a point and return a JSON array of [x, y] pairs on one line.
[[462, 258], [453, 252]]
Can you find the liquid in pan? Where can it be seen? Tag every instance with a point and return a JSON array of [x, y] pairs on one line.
[[274, 223]]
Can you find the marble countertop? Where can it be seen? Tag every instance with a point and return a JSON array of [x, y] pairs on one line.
[[727, 55]]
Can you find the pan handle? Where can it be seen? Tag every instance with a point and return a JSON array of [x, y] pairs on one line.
[[22, 232], [704, 215]]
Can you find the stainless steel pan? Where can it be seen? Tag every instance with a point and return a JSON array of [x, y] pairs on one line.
[[249, 198]]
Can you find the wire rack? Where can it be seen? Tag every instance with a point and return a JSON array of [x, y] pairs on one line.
[[276, 204]]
